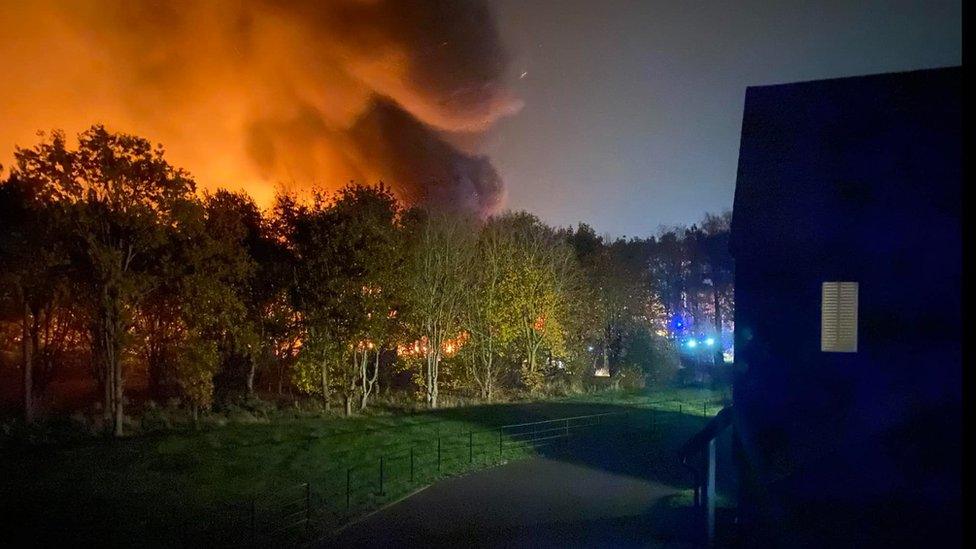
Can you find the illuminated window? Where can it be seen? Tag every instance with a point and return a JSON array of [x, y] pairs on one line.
[[838, 317]]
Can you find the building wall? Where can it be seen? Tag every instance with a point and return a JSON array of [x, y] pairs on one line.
[[855, 179]]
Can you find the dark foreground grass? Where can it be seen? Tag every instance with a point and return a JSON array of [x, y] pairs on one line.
[[199, 487]]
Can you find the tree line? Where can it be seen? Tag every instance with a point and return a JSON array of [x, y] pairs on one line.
[[111, 259]]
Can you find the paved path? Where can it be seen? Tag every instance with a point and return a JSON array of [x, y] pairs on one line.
[[614, 494]]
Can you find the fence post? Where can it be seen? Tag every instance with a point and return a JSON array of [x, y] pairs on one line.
[[705, 409], [348, 483], [411, 464], [438, 453], [308, 509], [470, 447], [381, 476], [499, 444], [680, 409], [709, 493], [253, 523]]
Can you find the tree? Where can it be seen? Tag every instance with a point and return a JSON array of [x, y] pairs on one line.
[[366, 224], [120, 195], [33, 266], [209, 275], [266, 291], [668, 270], [348, 273], [617, 274], [197, 361], [225, 297], [271, 302], [720, 268], [483, 313], [439, 259], [538, 291]]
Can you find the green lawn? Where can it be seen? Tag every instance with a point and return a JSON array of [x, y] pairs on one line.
[[179, 487]]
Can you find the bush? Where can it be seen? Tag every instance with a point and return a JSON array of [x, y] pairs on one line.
[[155, 418], [533, 381], [196, 365], [665, 363], [15, 433], [631, 378], [563, 385]]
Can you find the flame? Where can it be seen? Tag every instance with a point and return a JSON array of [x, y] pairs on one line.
[[419, 347], [540, 323]]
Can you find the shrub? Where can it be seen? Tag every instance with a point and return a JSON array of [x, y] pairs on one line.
[[665, 362], [155, 418], [196, 365], [631, 378]]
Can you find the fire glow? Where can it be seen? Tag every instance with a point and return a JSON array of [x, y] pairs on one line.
[[257, 94], [419, 347]]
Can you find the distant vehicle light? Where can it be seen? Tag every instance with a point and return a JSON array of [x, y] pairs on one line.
[[692, 343], [710, 341]]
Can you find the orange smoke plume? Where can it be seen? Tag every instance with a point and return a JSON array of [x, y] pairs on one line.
[[254, 94]]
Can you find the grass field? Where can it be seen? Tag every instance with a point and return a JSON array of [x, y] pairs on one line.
[[171, 488]]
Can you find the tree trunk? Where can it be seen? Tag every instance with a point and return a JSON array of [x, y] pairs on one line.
[[325, 383], [361, 366], [119, 404], [106, 385], [606, 355], [718, 356], [433, 364], [367, 381], [348, 400], [427, 379], [156, 364], [252, 368], [28, 364], [109, 341], [488, 385]]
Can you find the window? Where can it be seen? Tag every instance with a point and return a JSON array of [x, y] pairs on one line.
[[838, 317]]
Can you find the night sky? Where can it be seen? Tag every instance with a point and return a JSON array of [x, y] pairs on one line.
[[633, 109], [623, 115]]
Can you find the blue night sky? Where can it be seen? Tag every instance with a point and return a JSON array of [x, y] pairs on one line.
[[633, 108]]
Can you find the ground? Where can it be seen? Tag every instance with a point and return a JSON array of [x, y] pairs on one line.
[[190, 488], [621, 486], [536, 502]]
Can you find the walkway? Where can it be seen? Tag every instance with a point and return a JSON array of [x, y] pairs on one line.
[[619, 492]]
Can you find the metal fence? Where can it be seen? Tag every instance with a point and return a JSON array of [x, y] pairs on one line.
[[296, 514]]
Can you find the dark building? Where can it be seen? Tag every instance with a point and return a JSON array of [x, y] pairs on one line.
[[846, 234]]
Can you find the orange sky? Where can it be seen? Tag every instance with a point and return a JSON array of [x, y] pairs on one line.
[[254, 95]]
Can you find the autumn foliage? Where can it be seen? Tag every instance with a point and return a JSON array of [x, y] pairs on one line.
[[111, 259]]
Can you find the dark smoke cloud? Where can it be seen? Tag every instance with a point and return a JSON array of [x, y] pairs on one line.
[[434, 172], [254, 93]]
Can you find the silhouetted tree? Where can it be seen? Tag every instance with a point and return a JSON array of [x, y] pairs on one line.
[[120, 196], [33, 273]]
